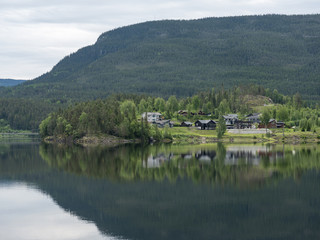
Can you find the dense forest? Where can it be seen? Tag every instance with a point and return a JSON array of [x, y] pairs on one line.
[[181, 58], [120, 115], [24, 114]]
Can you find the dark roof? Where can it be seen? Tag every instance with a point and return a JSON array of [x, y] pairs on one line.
[[231, 116], [253, 115], [162, 121], [205, 121]]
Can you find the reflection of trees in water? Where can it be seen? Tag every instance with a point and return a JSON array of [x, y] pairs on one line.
[[182, 210], [174, 211], [218, 164], [205, 155]]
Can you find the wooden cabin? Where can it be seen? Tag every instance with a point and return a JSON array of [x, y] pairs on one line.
[[206, 124], [272, 124]]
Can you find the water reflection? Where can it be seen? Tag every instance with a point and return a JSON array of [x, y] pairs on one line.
[[214, 164], [26, 213], [276, 197], [252, 155]]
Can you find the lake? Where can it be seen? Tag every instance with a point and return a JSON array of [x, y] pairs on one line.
[[159, 192]]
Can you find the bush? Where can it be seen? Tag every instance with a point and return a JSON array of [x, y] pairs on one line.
[[155, 133]]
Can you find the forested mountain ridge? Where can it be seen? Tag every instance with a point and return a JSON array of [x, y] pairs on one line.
[[10, 82], [180, 58]]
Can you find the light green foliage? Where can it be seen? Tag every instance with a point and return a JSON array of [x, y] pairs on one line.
[[283, 113], [166, 133], [221, 128], [143, 106], [172, 106], [45, 128], [144, 130], [224, 107], [155, 133], [160, 104], [265, 117], [195, 103], [128, 110], [83, 123]]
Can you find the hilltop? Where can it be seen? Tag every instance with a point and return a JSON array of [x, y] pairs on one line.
[[164, 58]]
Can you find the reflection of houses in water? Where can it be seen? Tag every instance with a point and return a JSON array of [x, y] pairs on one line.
[[271, 155], [186, 156], [250, 155], [158, 160], [201, 155], [205, 155]]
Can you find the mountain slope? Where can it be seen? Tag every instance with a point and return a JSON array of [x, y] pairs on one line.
[[183, 57]]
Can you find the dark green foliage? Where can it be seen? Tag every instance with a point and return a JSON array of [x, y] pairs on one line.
[[84, 118], [25, 114], [165, 58]]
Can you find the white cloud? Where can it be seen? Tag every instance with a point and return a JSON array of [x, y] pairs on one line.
[[27, 213], [36, 34]]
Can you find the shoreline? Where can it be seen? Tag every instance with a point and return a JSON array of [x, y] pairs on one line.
[[191, 136], [91, 140]]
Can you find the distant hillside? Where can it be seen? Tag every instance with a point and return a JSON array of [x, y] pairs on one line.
[[10, 82], [183, 57]]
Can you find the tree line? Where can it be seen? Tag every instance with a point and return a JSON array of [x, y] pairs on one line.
[[120, 115]]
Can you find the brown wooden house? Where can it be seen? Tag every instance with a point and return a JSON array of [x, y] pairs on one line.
[[272, 124]]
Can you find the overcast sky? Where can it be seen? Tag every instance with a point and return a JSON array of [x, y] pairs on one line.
[[36, 34]]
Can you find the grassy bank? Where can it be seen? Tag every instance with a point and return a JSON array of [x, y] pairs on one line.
[[193, 135]]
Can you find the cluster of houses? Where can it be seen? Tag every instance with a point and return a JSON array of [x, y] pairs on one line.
[[232, 122], [157, 119]]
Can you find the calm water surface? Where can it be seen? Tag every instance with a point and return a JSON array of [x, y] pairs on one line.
[[159, 192]]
